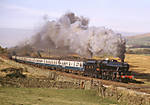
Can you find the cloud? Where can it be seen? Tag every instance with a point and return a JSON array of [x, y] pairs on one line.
[[28, 11]]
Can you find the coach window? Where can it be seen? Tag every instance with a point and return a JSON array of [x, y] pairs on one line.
[[77, 64], [80, 64]]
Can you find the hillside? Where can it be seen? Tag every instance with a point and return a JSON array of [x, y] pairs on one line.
[[22, 84], [142, 40]]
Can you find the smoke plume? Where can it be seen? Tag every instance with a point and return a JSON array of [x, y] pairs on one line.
[[72, 33]]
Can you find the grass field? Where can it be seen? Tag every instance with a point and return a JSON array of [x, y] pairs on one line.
[[44, 96], [140, 65]]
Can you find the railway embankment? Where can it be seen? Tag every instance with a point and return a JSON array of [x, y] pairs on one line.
[[22, 75]]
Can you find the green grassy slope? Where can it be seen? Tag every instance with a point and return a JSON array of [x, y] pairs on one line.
[[45, 96]]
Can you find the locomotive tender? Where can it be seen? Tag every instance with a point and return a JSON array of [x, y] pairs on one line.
[[104, 69]]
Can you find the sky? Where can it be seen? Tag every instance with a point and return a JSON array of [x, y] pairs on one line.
[[125, 16], [120, 15]]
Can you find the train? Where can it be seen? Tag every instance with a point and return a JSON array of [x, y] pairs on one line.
[[107, 69]]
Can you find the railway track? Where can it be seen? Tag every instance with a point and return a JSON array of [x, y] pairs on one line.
[[145, 89]]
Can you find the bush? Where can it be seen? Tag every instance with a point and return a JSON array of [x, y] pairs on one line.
[[139, 51], [3, 50]]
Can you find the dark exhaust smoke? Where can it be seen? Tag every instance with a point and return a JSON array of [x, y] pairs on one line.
[[71, 33]]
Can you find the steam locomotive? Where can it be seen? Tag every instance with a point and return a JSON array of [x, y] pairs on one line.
[[104, 69]]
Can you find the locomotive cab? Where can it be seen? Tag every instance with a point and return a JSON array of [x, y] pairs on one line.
[[92, 68]]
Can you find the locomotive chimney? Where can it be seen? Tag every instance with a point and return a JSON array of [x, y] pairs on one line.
[[122, 58]]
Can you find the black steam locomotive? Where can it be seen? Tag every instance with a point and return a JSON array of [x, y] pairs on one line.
[[109, 70], [104, 69]]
